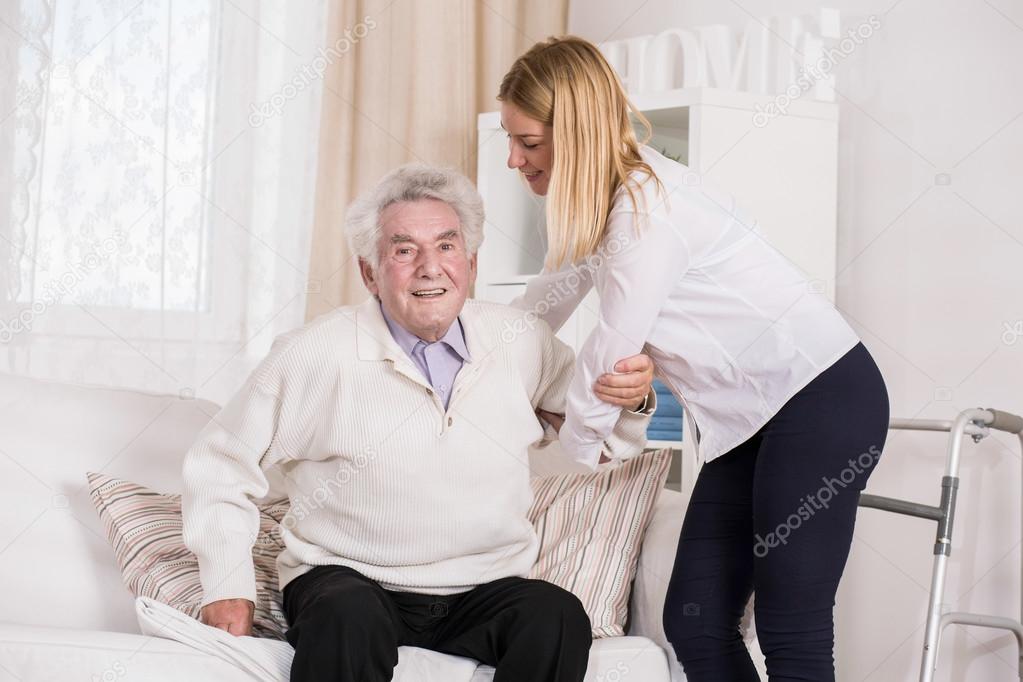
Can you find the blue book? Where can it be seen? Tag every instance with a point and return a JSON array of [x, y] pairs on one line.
[[674, 436], [667, 405], [670, 423], [667, 422], [668, 409]]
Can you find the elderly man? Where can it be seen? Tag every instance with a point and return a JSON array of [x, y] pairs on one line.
[[407, 419]]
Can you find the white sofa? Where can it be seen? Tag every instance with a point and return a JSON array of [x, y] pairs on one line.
[[66, 615]]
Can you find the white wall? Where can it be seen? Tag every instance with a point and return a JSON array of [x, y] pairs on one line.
[[930, 275]]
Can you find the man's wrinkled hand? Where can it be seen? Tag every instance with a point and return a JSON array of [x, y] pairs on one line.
[[630, 383], [230, 615], [552, 418]]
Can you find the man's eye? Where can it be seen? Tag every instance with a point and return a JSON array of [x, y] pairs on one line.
[[447, 246], [404, 252]]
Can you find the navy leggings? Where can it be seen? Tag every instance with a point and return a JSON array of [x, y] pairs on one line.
[[775, 516]]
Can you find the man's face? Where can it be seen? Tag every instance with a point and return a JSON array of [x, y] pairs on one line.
[[424, 273]]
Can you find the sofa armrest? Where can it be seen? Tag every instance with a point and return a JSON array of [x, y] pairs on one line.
[[656, 559]]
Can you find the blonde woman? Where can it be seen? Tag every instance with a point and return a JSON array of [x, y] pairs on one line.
[[790, 409]]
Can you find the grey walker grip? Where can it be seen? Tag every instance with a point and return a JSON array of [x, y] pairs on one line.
[[1006, 421]]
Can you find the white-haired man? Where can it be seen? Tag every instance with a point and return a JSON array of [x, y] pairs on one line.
[[420, 413]]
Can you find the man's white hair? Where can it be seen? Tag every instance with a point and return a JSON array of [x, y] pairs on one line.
[[413, 182]]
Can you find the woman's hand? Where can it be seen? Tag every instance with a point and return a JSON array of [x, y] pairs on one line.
[[630, 383]]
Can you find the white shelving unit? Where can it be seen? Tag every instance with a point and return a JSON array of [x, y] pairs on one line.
[[782, 170]]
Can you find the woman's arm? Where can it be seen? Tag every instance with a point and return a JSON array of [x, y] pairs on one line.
[[554, 296], [635, 285], [557, 362]]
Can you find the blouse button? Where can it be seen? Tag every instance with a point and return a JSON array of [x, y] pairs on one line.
[[450, 421]]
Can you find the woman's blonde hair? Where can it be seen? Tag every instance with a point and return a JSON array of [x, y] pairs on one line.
[[567, 84]]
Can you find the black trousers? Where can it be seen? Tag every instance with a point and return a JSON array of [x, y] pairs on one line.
[[346, 628], [775, 516]]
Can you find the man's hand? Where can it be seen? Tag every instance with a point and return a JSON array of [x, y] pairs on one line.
[[556, 420], [231, 615], [552, 418], [630, 385]]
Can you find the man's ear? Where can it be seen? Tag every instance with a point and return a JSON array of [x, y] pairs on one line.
[[368, 276]]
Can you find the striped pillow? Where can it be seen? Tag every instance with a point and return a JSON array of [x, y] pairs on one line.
[[591, 530], [144, 528]]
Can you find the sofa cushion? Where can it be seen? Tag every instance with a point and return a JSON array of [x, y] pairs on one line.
[[49, 654], [591, 530], [46, 654], [615, 659], [145, 530]]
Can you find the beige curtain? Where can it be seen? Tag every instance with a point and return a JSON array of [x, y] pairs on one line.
[[405, 82]]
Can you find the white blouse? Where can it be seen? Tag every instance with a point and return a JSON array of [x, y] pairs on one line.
[[734, 328]]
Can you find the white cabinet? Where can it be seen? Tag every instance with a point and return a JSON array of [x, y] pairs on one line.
[[782, 170]]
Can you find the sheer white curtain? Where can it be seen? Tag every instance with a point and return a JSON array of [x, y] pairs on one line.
[[157, 176]]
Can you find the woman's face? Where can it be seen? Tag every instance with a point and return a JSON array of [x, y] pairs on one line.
[[530, 147]]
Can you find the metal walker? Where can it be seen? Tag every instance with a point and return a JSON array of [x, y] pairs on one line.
[[977, 424]]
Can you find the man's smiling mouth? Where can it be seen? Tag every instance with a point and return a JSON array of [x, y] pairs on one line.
[[429, 293]]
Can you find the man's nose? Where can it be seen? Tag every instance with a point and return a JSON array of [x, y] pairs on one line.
[[428, 264]]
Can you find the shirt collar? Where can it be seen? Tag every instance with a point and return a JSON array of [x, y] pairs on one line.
[[454, 337]]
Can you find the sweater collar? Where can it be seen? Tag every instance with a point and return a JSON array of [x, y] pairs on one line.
[[375, 342], [454, 338]]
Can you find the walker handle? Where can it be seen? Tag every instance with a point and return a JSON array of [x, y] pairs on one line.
[[1006, 421]]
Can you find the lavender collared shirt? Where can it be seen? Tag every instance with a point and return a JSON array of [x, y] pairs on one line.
[[438, 361]]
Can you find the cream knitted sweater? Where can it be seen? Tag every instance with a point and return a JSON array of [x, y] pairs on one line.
[[380, 476]]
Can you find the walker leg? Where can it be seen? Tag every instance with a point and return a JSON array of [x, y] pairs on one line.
[[1019, 653], [932, 633], [942, 549], [974, 423]]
